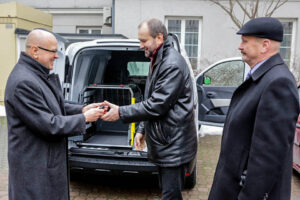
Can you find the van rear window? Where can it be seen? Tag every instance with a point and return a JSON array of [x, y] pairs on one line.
[[109, 67]]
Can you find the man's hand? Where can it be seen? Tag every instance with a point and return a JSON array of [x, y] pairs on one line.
[[139, 141], [90, 106], [113, 113], [93, 114]]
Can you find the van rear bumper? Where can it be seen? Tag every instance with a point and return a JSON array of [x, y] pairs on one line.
[[111, 164]]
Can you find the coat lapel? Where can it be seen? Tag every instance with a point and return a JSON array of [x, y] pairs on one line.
[[155, 69], [264, 68], [271, 62], [54, 85], [51, 80]]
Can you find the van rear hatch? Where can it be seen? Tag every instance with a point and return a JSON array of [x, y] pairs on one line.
[[117, 75], [114, 74]]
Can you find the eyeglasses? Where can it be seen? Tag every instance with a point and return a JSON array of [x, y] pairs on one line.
[[49, 50]]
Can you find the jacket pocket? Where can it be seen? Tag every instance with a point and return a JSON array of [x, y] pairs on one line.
[[160, 133]]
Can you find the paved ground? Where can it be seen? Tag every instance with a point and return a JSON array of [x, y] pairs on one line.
[[132, 187]]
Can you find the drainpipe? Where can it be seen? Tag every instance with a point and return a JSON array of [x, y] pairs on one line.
[[113, 16]]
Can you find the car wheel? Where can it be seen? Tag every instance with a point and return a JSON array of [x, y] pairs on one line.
[[190, 181]]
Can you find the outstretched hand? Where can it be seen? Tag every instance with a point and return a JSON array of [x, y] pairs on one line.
[[93, 114], [90, 106], [113, 113]]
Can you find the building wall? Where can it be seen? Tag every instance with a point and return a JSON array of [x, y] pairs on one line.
[[69, 14], [64, 3], [290, 11], [218, 33], [14, 15], [69, 23]]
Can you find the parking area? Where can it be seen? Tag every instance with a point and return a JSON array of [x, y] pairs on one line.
[[91, 187]]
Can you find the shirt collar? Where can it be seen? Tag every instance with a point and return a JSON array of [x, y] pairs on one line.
[[257, 66]]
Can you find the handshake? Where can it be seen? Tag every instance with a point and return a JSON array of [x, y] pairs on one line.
[[105, 111]]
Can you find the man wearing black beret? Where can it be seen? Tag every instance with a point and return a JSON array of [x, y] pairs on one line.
[[256, 152]]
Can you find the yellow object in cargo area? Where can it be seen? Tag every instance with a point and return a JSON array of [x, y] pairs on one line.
[[132, 129]]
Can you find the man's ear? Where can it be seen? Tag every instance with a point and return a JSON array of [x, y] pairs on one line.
[[266, 45], [159, 38], [34, 51]]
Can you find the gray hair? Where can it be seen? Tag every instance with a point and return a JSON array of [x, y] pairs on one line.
[[155, 27]]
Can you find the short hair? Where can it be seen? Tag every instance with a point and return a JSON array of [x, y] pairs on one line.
[[155, 27]]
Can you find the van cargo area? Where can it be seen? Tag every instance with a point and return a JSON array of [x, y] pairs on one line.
[[112, 134], [117, 75]]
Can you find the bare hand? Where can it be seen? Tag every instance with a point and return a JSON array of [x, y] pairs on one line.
[[93, 114], [90, 106], [139, 141], [113, 114]]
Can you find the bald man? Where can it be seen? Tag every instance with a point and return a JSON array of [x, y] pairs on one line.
[[39, 121]]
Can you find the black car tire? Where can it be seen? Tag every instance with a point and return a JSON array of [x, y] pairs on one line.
[[190, 181]]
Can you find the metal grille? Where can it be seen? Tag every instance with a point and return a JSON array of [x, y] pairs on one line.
[[119, 95]]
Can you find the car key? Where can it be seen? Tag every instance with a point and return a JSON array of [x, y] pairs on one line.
[[103, 107]]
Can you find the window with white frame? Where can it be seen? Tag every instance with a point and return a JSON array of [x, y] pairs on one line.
[[287, 45], [188, 32], [89, 30]]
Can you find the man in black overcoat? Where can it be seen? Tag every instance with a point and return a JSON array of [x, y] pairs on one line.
[[255, 161], [39, 122]]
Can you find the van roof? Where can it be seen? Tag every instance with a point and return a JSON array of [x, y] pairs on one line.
[[75, 47]]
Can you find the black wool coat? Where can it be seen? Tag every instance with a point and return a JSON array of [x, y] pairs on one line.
[[168, 110], [38, 123], [258, 137]]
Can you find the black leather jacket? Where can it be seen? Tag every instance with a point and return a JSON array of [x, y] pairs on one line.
[[168, 110]]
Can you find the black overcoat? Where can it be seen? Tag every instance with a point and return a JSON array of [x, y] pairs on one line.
[[38, 123], [258, 137], [168, 110]]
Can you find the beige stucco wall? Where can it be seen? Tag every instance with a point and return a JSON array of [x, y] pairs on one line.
[[15, 15]]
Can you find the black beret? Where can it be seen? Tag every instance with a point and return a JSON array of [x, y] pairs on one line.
[[263, 27]]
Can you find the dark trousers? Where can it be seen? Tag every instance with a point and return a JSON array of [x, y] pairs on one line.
[[171, 181]]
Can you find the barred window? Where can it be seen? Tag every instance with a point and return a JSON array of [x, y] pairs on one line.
[[188, 32]]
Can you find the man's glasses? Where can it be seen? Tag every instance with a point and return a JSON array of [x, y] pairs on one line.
[[49, 50]]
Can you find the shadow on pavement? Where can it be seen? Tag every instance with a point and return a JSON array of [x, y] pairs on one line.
[[117, 181]]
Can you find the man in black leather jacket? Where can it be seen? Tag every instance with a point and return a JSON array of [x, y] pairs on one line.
[[168, 111]]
